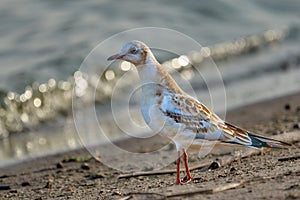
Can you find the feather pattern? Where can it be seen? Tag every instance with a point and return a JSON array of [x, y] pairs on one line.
[[197, 118], [193, 115]]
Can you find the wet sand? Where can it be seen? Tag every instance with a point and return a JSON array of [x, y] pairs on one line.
[[259, 175]]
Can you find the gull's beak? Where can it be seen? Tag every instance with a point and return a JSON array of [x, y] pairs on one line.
[[115, 57]]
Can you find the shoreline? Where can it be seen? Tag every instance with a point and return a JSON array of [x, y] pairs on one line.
[[240, 116], [271, 117]]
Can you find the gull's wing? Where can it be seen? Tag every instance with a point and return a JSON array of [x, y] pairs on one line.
[[205, 124], [197, 118]]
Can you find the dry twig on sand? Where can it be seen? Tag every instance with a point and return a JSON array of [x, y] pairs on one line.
[[182, 192]]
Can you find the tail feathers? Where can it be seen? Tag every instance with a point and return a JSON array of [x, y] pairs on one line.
[[260, 141], [236, 135]]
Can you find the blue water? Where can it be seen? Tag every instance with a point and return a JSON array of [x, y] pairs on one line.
[[47, 39]]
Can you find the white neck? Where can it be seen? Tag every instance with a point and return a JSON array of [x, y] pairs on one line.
[[153, 72], [149, 72]]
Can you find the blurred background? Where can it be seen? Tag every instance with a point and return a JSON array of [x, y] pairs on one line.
[[255, 44]]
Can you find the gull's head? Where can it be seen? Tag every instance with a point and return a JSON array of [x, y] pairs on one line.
[[134, 52]]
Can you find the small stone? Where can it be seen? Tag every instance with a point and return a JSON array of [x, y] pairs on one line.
[[25, 183], [39, 198], [48, 185], [94, 176], [69, 189], [4, 187], [296, 126], [232, 169], [214, 165], [85, 166], [117, 193], [222, 175], [287, 106], [59, 165]]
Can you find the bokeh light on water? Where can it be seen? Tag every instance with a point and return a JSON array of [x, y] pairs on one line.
[[51, 42]]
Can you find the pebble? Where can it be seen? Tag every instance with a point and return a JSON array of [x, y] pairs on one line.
[[69, 189], [59, 165], [94, 176], [296, 126], [232, 169], [117, 193], [85, 166], [287, 106], [25, 183], [4, 187], [296, 186], [48, 185], [214, 165]]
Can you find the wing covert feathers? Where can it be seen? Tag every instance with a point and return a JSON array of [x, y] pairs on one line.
[[199, 119]]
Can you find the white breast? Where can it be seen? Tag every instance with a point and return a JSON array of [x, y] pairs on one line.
[[151, 107]]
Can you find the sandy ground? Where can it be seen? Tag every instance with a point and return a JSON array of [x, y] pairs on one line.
[[271, 174]]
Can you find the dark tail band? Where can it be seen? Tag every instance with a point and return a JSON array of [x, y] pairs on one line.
[[260, 141]]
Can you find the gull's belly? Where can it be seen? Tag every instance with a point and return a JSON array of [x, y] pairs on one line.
[[166, 126], [157, 120]]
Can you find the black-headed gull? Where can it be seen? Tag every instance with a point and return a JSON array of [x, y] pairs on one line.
[[177, 115]]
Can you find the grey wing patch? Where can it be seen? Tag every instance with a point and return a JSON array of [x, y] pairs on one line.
[[189, 112], [191, 122], [201, 128]]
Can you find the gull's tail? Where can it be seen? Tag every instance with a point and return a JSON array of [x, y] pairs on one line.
[[260, 141], [238, 135]]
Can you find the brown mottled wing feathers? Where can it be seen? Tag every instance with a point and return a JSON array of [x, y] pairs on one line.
[[188, 111], [235, 133], [199, 119]]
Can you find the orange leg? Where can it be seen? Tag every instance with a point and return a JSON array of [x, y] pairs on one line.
[[188, 176], [178, 181]]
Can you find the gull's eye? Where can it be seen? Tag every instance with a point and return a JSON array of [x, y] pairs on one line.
[[133, 50]]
